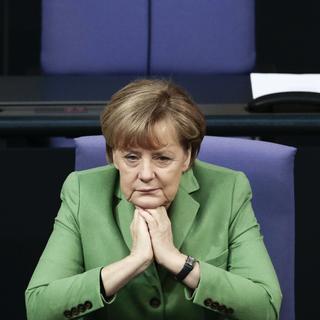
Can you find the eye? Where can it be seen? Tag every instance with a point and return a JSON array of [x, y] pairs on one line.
[[163, 160], [131, 157]]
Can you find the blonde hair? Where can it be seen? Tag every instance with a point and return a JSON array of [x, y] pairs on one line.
[[131, 114]]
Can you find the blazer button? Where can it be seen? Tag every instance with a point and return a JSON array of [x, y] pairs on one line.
[[208, 302], [88, 305], [215, 305], [154, 302], [74, 311], [81, 307], [229, 310], [67, 314], [222, 308]]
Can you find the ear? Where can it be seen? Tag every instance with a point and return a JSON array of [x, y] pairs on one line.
[[186, 163]]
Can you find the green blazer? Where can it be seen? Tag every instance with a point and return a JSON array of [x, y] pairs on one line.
[[212, 220]]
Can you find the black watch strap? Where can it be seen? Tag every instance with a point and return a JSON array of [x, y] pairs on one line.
[[187, 268]]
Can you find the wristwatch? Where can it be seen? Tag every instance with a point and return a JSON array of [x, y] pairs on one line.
[[187, 268]]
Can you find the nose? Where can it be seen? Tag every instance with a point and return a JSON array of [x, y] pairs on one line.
[[146, 171]]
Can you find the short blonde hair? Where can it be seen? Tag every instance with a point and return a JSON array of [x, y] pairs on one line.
[[129, 117]]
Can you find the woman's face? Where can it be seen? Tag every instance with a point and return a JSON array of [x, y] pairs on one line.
[[150, 178]]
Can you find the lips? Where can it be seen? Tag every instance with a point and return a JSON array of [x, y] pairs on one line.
[[147, 190]]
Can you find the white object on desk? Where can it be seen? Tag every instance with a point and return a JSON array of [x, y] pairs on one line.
[[267, 83]]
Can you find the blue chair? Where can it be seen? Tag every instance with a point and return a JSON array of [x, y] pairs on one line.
[[97, 36], [269, 167], [148, 37], [202, 37]]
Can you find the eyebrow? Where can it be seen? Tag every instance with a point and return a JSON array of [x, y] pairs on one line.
[[155, 152], [163, 152]]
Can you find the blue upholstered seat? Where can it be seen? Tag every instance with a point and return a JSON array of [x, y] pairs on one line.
[[97, 36], [202, 37], [269, 167], [148, 36]]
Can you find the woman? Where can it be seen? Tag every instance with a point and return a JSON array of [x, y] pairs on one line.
[[156, 234]]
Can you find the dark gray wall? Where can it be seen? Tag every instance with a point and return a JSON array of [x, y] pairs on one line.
[[287, 33]]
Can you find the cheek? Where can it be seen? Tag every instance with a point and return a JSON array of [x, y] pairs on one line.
[[127, 180], [172, 184]]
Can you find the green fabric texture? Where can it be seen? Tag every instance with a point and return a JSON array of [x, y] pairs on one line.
[[212, 220]]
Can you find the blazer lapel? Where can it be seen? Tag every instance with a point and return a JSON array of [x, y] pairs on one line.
[[182, 212], [124, 214], [184, 208]]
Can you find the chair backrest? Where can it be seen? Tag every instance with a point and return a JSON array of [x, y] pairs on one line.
[[96, 36], [147, 36], [206, 36], [269, 167]]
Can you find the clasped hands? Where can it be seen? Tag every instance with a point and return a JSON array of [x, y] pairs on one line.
[[152, 238]]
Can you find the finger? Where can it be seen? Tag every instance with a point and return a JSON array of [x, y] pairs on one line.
[[135, 221], [135, 216], [151, 221], [133, 224], [142, 224], [159, 214], [145, 215]]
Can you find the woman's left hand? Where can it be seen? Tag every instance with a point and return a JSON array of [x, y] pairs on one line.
[[160, 231]]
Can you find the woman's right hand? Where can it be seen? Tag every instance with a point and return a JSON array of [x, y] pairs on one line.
[[116, 275], [141, 243]]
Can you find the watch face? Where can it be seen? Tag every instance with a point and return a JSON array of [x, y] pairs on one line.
[[190, 261]]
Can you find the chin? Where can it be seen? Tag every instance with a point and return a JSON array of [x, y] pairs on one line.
[[149, 204]]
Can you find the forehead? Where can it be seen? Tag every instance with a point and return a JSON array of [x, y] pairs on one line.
[[165, 132], [161, 135]]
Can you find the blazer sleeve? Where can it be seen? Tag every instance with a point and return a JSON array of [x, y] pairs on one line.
[[60, 288], [249, 288]]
